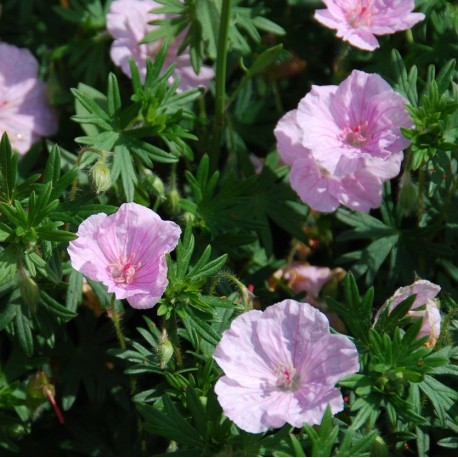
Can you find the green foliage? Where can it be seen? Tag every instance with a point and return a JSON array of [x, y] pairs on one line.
[[199, 21], [244, 205], [156, 112]]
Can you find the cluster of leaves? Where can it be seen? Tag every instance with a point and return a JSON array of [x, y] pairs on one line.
[[155, 112], [398, 378], [200, 24], [31, 234]]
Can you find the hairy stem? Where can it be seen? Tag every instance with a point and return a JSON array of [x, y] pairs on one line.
[[116, 319], [220, 97]]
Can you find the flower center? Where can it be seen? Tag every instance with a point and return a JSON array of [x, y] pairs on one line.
[[355, 136], [287, 379], [361, 14], [123, 271]]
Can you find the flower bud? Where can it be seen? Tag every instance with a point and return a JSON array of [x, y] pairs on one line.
[[173, 199], [408, 194], [30, 292], [101, 176], [157, 184], [164, 351], [379, 447]]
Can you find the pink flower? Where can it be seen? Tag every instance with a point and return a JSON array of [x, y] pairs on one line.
[[306, 278], [281, 366], [343, 142], [24, 112], [128, 23], [424, 307], [126, 252], [358, 21]]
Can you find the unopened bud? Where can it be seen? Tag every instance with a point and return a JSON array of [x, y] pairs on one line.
[[408, 194], [379, 447], [101, 176], [173, 199], [164, 351], [157, 184], [30, 292], [40, 389]]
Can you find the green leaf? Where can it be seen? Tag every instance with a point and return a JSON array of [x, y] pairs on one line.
[[75, 290], [267, 25], [122, 164], [23, 327], [170, 424], [8, 168], [203, 329], [8, 310], [324, 437], [55, 308], [441, 396], [113, 97]]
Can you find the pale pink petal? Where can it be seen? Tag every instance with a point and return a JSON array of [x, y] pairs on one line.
[[343, 142], [126, 252], [289, 138], [361, 191], [24, 111], [358, 21], [424, 307], [316, 189], [238, 341], [423, 289], [306, 278], [281, 366], [128, 21]]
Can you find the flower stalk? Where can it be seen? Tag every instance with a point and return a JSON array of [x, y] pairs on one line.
[[220, 97]]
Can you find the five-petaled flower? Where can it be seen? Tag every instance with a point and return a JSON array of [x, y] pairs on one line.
[[358, 21], [281, 366], [128, 21], [343, 142], [24, 111], [126, 252], [424, 307]]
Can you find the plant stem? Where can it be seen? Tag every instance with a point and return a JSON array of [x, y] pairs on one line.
[[243, 289], [421, 190], [220, 97], [114, 315], [170, 327]]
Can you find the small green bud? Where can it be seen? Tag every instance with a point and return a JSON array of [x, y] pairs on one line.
[[408, 194], [164, 351], [16, 430], [173, 199], [379, 447], [30, 292], [189, 217], [101, 176], [157, 184]]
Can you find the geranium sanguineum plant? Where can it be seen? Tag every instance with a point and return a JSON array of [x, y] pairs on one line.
[[128, 21], [359, 21], [25, 114], [126, 252], [343, 142], [424, 307], [281, 366]]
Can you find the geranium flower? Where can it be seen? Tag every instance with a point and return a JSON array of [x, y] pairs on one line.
[[128, 23], [343, 142], [424, 306], [24, 112], [126, 252], [358, 21], [281, 366]]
